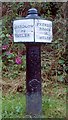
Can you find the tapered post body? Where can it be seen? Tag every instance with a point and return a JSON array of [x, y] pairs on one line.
[[33, 80]]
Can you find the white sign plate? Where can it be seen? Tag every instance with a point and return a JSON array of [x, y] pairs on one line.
[[43, 31], [32, 30], [23, 30]]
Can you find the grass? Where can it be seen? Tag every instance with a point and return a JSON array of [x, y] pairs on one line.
[[14, 106], [53, 108]]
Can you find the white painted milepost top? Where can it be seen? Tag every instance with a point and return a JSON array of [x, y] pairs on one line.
[[23, 30], [32, 30], [43, 31]]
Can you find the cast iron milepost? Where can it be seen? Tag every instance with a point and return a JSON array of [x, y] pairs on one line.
[[33, 73], [32, 31]]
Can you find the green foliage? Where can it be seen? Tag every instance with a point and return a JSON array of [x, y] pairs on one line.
[[13, 106], [52, 109], [61, 61], [54, 61], [12, 51]]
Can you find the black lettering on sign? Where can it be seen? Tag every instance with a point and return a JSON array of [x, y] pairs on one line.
[[44, 29], [22, 35], [45, 37], [44, 24], [22, 26], [46, 33], [22, 30]]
